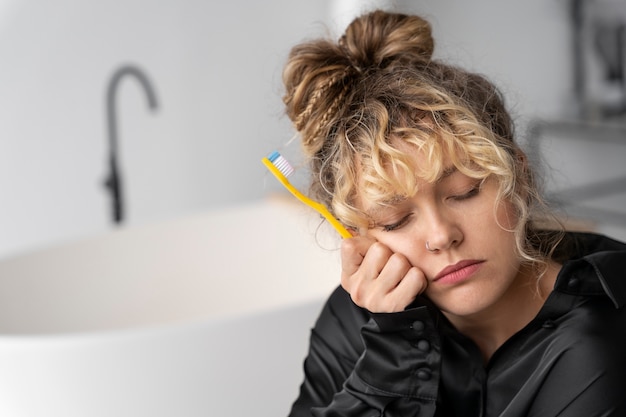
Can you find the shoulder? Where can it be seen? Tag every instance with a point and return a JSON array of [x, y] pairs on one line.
[[589, 306], [580, 357], [590, 338], [595, 266], [584, 362]]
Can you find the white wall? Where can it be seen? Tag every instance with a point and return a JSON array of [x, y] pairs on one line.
[[216, 70], [523, 46]]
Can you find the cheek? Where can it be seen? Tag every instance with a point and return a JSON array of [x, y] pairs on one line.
[[503, 240], [507, 216], [494, 228], [403, 243]]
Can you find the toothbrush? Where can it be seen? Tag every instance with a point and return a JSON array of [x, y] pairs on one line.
[[281, 168]]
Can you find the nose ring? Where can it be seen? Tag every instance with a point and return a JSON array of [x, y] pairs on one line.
[[429, 249]]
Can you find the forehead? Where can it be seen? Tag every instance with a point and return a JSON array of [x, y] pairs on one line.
[[394, 199]]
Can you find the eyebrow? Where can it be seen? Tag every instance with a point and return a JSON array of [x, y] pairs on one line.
[[446, 173], [380, 208]]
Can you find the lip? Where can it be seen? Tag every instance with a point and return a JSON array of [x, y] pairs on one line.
[[458, 272]]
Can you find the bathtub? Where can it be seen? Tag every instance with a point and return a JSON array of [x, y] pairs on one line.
[[202, 316]]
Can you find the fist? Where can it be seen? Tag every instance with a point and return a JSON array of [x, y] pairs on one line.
[[376, 278]]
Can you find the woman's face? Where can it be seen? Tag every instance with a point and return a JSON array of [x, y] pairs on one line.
[[473, 266]]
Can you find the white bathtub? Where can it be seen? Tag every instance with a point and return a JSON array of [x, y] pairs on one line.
[[205, 316]]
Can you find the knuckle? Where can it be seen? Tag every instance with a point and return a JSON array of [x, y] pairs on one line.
[[348, 245], [416, 283], [379, 249], [357, 296], [398, 259]]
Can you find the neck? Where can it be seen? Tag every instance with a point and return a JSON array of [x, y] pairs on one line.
[[491, 328]]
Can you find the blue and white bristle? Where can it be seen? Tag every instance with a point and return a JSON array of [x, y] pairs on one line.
[[281, 163]]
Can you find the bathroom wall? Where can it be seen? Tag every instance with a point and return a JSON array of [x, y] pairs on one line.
[[523, 46], [215, 67], [216, 70]]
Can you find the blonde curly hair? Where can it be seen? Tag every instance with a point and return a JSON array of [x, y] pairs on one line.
[[353, 99]]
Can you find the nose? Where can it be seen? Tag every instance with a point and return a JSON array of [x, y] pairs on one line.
[[442, 231]]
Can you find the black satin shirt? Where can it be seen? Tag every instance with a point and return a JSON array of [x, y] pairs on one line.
[[570, 361]]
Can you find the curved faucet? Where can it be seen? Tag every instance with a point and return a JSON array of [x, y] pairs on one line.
[[114, 182]]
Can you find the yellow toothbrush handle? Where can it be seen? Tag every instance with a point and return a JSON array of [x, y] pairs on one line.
[[320, 208]]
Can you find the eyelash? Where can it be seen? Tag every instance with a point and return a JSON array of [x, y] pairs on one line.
[[466, 196], [396, 225], [471, 193]]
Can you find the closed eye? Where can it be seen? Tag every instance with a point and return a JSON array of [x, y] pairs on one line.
[[397, 225], [474, 191]]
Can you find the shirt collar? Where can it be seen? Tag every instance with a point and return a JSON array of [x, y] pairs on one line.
[[597, 267]]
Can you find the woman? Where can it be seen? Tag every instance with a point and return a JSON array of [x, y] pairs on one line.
[[455, 298]]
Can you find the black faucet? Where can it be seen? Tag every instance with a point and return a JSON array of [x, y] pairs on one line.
[[113, 181]]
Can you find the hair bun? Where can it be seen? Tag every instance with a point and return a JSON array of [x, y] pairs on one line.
[[379, 37], [319, 74]]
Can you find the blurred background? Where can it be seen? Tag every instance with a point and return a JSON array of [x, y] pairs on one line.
[[214, 68], [133, 196]]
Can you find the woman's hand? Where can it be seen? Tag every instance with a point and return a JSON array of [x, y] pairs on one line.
[[376, 278]]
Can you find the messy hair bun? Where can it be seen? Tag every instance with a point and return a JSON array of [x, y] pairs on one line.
[[380, 38], [319, 74]]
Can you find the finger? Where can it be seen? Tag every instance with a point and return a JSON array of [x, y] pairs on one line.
[[360, 280], [410, 286], [393, 272], [375, 260], [379, 273], [353, 252], [396, 286]]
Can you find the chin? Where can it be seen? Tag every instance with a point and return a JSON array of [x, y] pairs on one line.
[[463, 304]]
